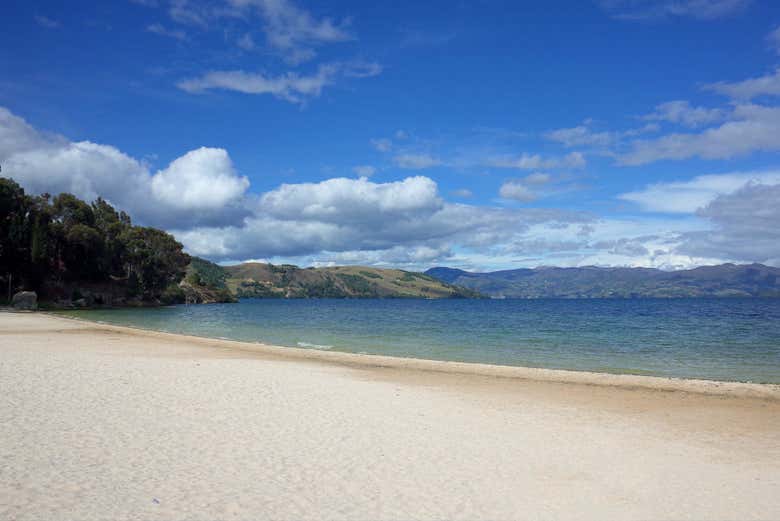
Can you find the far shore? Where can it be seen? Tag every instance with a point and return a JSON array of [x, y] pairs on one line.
[[110, 422]]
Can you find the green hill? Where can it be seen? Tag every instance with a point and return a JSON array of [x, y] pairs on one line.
[[287, 281]]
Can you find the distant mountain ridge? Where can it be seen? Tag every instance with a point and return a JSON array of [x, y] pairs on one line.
[[724, 280], [260, 280]]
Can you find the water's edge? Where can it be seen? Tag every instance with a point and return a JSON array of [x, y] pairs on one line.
[[563, 376]]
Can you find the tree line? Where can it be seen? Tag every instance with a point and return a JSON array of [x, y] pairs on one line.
[[55, 242]]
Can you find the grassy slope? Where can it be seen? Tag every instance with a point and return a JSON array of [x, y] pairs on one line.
[[266, 280]]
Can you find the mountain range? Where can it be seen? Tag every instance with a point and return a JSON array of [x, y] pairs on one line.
[[724, 280]]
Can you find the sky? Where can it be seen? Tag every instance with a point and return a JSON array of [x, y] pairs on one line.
[[482, 135]]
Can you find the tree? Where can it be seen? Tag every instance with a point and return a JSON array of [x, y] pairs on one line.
[[155, 258], [48, 242]]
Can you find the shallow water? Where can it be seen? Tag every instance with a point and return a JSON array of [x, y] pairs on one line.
[[722, 339]]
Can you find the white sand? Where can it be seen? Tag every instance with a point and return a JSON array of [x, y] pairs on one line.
[[99, 422]]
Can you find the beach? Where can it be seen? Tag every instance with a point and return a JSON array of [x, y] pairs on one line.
[[107, 422]]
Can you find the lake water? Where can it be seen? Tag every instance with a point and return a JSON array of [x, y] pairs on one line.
[[722, 339]]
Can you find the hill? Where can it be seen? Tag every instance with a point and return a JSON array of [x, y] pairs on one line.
[[725, 280], [287, 281]]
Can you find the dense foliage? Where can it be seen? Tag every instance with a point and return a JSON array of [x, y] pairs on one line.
[[49, 242]]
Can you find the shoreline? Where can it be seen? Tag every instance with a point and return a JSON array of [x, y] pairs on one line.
[[110, 422], [561, 376]]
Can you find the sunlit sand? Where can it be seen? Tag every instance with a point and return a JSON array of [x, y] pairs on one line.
[[101, 422]]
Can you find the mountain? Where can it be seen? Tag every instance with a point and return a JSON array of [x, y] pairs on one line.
[[287, 281], [725, 280]]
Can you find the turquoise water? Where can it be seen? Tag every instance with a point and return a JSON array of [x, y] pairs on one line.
[[722, 339]]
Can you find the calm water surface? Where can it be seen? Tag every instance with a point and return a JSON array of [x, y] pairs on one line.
[[723, 339]]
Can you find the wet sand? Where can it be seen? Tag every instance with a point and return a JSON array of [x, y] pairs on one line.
[[103, 422]]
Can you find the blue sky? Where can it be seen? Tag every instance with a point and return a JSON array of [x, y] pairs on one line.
[[484, 135]]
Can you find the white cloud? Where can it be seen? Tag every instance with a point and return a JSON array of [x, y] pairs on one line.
[[294, 32], [647, 9], [202, 178], [584, 136], [291, 87], [525, 189], [343, 200], [692, 195], [176, 34], [416, 161], [751, 128], [537, 179], [746, 226], [580, 135], [199, 187], [516, 191], [349, 215], [681, 112], [364, 170], [767, 85], [535, 161]]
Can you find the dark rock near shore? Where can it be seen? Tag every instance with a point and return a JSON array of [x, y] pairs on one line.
[[26, 300]]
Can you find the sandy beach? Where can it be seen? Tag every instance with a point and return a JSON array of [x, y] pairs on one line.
[[103, 422]]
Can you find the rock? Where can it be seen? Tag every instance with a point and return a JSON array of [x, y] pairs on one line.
[[25, 300], [81, 303]]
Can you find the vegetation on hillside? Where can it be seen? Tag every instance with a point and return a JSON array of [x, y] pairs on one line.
[[205, 283], [67, 249], [261, 280]]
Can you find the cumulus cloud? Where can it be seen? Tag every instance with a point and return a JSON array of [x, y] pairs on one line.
[[751, 128], [203, 200], [746, 226], [648, 9], [199, 187], [292, 87], [416, 161], [343, 200], [357, 215], [767, 85], [689, 196], [535, 161], [202, 178]]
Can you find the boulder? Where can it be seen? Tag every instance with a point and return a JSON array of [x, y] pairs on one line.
[[81, 303], [25, 300]]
